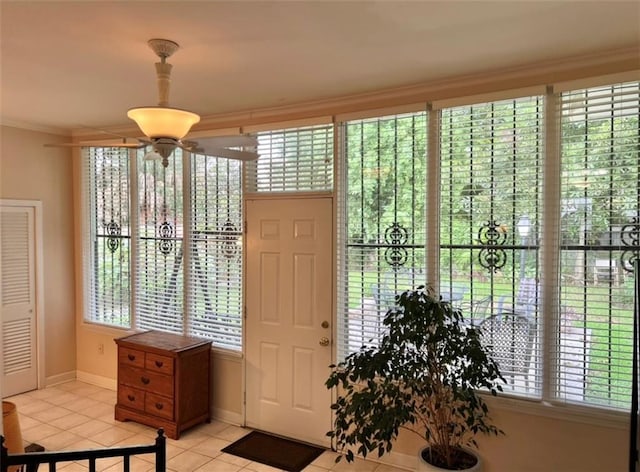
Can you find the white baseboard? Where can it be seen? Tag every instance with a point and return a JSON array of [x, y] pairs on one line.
[[97, 380], [60, 378], [227, 416]]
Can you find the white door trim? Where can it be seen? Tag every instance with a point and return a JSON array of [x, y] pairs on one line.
[[39, 275]]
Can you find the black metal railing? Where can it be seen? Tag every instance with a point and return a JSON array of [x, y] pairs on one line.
[[31, 460]]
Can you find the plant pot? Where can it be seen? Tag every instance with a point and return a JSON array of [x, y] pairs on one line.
[[424, 466], [12, 433]]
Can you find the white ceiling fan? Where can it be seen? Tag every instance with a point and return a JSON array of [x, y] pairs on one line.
[[165, 127]]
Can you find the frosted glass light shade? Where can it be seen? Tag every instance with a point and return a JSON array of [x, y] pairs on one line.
[[163, 122]]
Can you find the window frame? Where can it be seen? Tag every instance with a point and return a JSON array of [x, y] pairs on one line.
[[549, 248], [88, 260]]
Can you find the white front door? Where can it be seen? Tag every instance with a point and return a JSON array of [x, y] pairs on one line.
[[19, 369], [289, 315]]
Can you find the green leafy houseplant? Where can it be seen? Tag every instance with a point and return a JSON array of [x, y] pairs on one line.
[[423, 376]]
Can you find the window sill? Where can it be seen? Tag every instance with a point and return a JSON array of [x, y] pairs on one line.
[[107, 330], [578, 414]]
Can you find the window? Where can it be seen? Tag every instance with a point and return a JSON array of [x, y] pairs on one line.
[[179, 249], [537, 231], [107, 233], [598, 223], [491, 187], [383, 225], [293, 160], [215, 266], [159, 236]]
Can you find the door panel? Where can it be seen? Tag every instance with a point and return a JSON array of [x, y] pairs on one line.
[[289, 296], [19, 370]]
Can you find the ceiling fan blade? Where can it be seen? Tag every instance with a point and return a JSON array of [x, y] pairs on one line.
[[222, 152], [227, 141], [98, 144]]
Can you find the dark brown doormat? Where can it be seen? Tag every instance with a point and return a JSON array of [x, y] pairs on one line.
[[277, 452]]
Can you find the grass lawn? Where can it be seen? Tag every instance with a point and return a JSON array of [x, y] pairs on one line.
[[603, 313]]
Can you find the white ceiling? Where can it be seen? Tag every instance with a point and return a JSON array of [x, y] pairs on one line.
[[71, 64]]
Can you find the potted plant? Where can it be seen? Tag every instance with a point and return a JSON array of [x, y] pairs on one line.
[[423, 376]]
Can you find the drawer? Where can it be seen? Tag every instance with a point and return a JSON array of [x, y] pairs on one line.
[[158, 405], [130, 357], [160, 364], [146, 380], [131, 397]]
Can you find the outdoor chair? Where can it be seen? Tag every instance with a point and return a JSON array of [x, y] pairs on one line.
[[605, 269], [509, 337], [527, 297], [476, 311]]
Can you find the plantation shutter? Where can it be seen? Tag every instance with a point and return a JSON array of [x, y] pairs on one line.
[[215, 264], [490, 220], [159, 288], [599, 223], [107, 236], [381, 227], [18, 292], [293, 160]]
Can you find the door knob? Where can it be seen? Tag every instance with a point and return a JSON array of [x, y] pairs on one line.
[[324, 341]]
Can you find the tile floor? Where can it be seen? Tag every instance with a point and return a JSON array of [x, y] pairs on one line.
[[76, 415]]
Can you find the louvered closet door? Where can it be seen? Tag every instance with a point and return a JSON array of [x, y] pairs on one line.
[[19, 373]]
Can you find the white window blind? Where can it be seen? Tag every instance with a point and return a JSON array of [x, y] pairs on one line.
[[599, 234], [159, 261], [293, 160], [107, 233], [490, 219], [215, 269], [382, 223]]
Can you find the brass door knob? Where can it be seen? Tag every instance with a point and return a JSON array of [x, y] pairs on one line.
[[324, 341]]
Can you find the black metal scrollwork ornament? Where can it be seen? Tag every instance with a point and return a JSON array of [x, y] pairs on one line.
[[493, 235], [114, 231], [630, 237], [396, 236], [165, 246], [230, 236]]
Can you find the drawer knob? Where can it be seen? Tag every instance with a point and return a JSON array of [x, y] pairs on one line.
[[131, 357], [159, 363], [145, 380], [131, 398], [159, 406]]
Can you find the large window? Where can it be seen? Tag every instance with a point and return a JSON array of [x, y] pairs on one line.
[[538, 223], [491, 187], [107, 236], [383, 227], [165, 241], [599, 225]]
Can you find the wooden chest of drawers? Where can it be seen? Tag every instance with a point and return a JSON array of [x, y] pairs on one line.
[[163, 380]]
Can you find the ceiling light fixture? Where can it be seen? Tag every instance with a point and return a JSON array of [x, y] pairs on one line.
[[163, 121]]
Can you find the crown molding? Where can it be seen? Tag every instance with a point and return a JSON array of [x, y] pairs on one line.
[[534, 74], [35, 127], [497, 80]]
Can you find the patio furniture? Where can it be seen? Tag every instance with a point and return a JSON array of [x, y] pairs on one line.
[[605, 269], [527, 297], [509, 337], [453, 293], [476, 310]]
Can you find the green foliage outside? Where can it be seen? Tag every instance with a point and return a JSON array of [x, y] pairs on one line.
[[492, 170]]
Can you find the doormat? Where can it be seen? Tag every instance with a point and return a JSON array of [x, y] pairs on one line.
[[277, 452]]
